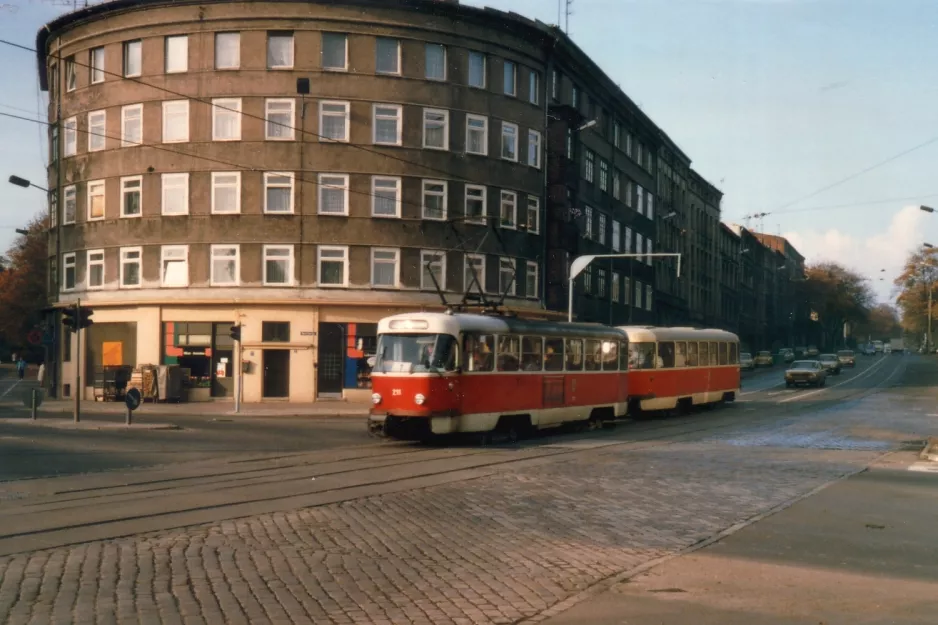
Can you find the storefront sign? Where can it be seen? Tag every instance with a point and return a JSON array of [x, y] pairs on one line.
[[307, 333], [194, 351]]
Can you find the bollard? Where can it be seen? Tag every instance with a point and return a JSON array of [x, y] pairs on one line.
[[34, 405], [128, 418]]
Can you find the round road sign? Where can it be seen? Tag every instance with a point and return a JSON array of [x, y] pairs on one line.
[[34, 337], [133, 398]]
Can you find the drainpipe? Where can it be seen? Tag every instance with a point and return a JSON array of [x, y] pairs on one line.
[[548, 78]]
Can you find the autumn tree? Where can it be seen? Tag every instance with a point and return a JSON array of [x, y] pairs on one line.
[[23, 287], [837, 295], [913, 285], [882, 323]]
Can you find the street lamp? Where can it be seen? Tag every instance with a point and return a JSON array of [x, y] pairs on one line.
[[927, 209], [22, 182], [580, 263], [588, 124]]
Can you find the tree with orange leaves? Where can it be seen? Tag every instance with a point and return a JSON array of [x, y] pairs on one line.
[[914, 283], [837, 295]]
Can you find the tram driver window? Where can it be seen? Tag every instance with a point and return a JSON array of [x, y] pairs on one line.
[[553, 355], [593, 355], [641, 355], [723, 354], [734, 353], [532, 348], [704, 354], [509, 352], [666, 355], [478, 350], [680, 354], [574, 360], [692, 354], [610, 355], [713, 354]]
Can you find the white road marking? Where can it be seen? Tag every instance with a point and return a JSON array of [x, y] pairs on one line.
[[827, 388], [924, 467], [12, 386]]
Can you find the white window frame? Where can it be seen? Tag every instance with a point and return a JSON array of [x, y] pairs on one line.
[[435, 258], [69, 262], [534, 148], [97, 69], [616, 236], [588, 219], [534, 86], [477, 54], [397, 196], [124, 192], [323, 185], [126, 112], [508, 198], [292, 187], [236, 61], [72, 191], [426, 57], [91, 186], [485, 133], [346, 115], [514, 78], [396, 72], [398, 118], [123, 261], [467, 277], [332, 248], [71, 74], [178, 67], [508, 126], [126, 54], [289, 259], [533, 207], [485, 210], [603, 175], [237, 185], [288, 128], [226, 106], [514, 275], [589, 159], [237, 263], [330, 68], [97, 130], [89, 264], [70, 131], [532, 269], [554, 83], [397, 267], [165, 258], [170, 182], [169, 113], [445, 115], [272, 34], [615, 290], [423, 197]]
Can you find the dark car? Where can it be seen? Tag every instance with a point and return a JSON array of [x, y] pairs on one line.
[[847, 358], [831, 363], [810, 372]]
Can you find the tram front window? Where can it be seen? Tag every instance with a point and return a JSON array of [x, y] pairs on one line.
[[415, 353]]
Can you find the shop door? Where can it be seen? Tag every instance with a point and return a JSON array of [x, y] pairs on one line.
[[331, 358], [276, 373]]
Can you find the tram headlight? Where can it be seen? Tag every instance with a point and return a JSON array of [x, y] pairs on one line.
[[419, 399], [376, 398]]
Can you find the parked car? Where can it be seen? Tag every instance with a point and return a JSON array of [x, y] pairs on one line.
[[812, 351], [764, 359], [847, 358], [787, 354], [746, 362], [809, 372], [831, 363]]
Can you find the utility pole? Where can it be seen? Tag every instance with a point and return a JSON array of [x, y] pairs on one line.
[[78, 362]]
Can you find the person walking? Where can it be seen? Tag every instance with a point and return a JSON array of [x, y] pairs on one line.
[[21, 368], [42, 373]]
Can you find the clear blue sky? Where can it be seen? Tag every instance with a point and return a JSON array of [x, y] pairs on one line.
[[772, 99]]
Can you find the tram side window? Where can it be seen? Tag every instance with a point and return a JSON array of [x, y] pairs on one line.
[[594, 355], [553, 355], [624, 356], [723, 354], [734, 353], [574, 359], [692, 354], [532, 348], [680, 354], [610, 355], [509, 352], [666, 355], [478, 351], [641, 355], [704, 354], [713, 353]]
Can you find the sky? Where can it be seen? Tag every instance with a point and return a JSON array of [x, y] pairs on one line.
[[820, 113]]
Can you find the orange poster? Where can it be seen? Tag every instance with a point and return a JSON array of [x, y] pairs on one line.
[[112, 353]]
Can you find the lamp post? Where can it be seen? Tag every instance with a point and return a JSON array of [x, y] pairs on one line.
[[23, 182], [581, 262]]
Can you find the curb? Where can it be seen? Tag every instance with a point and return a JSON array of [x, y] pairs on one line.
[[930, 451], [90, 425]]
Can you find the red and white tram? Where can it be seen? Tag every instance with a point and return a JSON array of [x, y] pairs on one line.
[[671, 367], [443, 373]]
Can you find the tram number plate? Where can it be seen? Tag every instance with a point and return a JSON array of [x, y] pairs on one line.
[[395, 392]]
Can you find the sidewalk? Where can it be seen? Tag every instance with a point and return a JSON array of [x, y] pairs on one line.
[[862, 551]]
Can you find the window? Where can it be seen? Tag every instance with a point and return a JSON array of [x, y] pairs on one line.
[[71, 75], [54, 144], [628, 240], [509, 78], [616, 134], [97, 65], [575, 97], [590, 165], [601, 230], [279, 50], [628, 143], [71, 205], [387, 56], [227, 50], [133, 58], [648, 296], [474, 272], [53, 81], [649, 206], [626, 292], [279, 119], [53, 276], [639, 244], [175, 195], [226, 192], [95, 200], [616, 236], [71, 136], [226, 119], [130, 277], [553, 354], [226, 260], [278, 265], [603, 175], [530, 280], [333, 265], [477, 135], [333, 194], [534, 214], [385, 267], [435, 62], [176, 121], [174, 265], [588, 222], [475, 204], [95, 261], [534, 81], [477, 70], [436, 129], [506, 276], [278, 192], [648, 245], [574, 355], [132, 125], [508, 210], [615, 287], [385, 197], [177, 54], [510, 141], [601, 282], [554, 83], [628, 194], [131, 192], [387, 124], [69, 272], [640, 199], [509, 353], [434, 199], [569, 144], [432, 267], [275, 331], [333, 121], [53, 209], [534, 148], [335, 51], [638, 294], [616, 185]]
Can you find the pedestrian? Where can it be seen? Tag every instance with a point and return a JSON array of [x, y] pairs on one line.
[[21, 368], [42, 373]]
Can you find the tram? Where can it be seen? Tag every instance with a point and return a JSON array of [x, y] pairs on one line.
[[448, 373]]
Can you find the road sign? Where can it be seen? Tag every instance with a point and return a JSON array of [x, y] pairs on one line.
[[48, 338], [133, 398], [34, 337]]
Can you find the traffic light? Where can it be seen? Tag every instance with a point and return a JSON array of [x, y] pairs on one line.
[[84, 317], [76, 318], [235, 333], [69, 319]]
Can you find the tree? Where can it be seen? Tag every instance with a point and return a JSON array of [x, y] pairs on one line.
[[836, 295], [23, 292], [883, 323], [913, 284]]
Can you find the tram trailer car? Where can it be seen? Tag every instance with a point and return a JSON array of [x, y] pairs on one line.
[[449, 373], [672, 367]]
